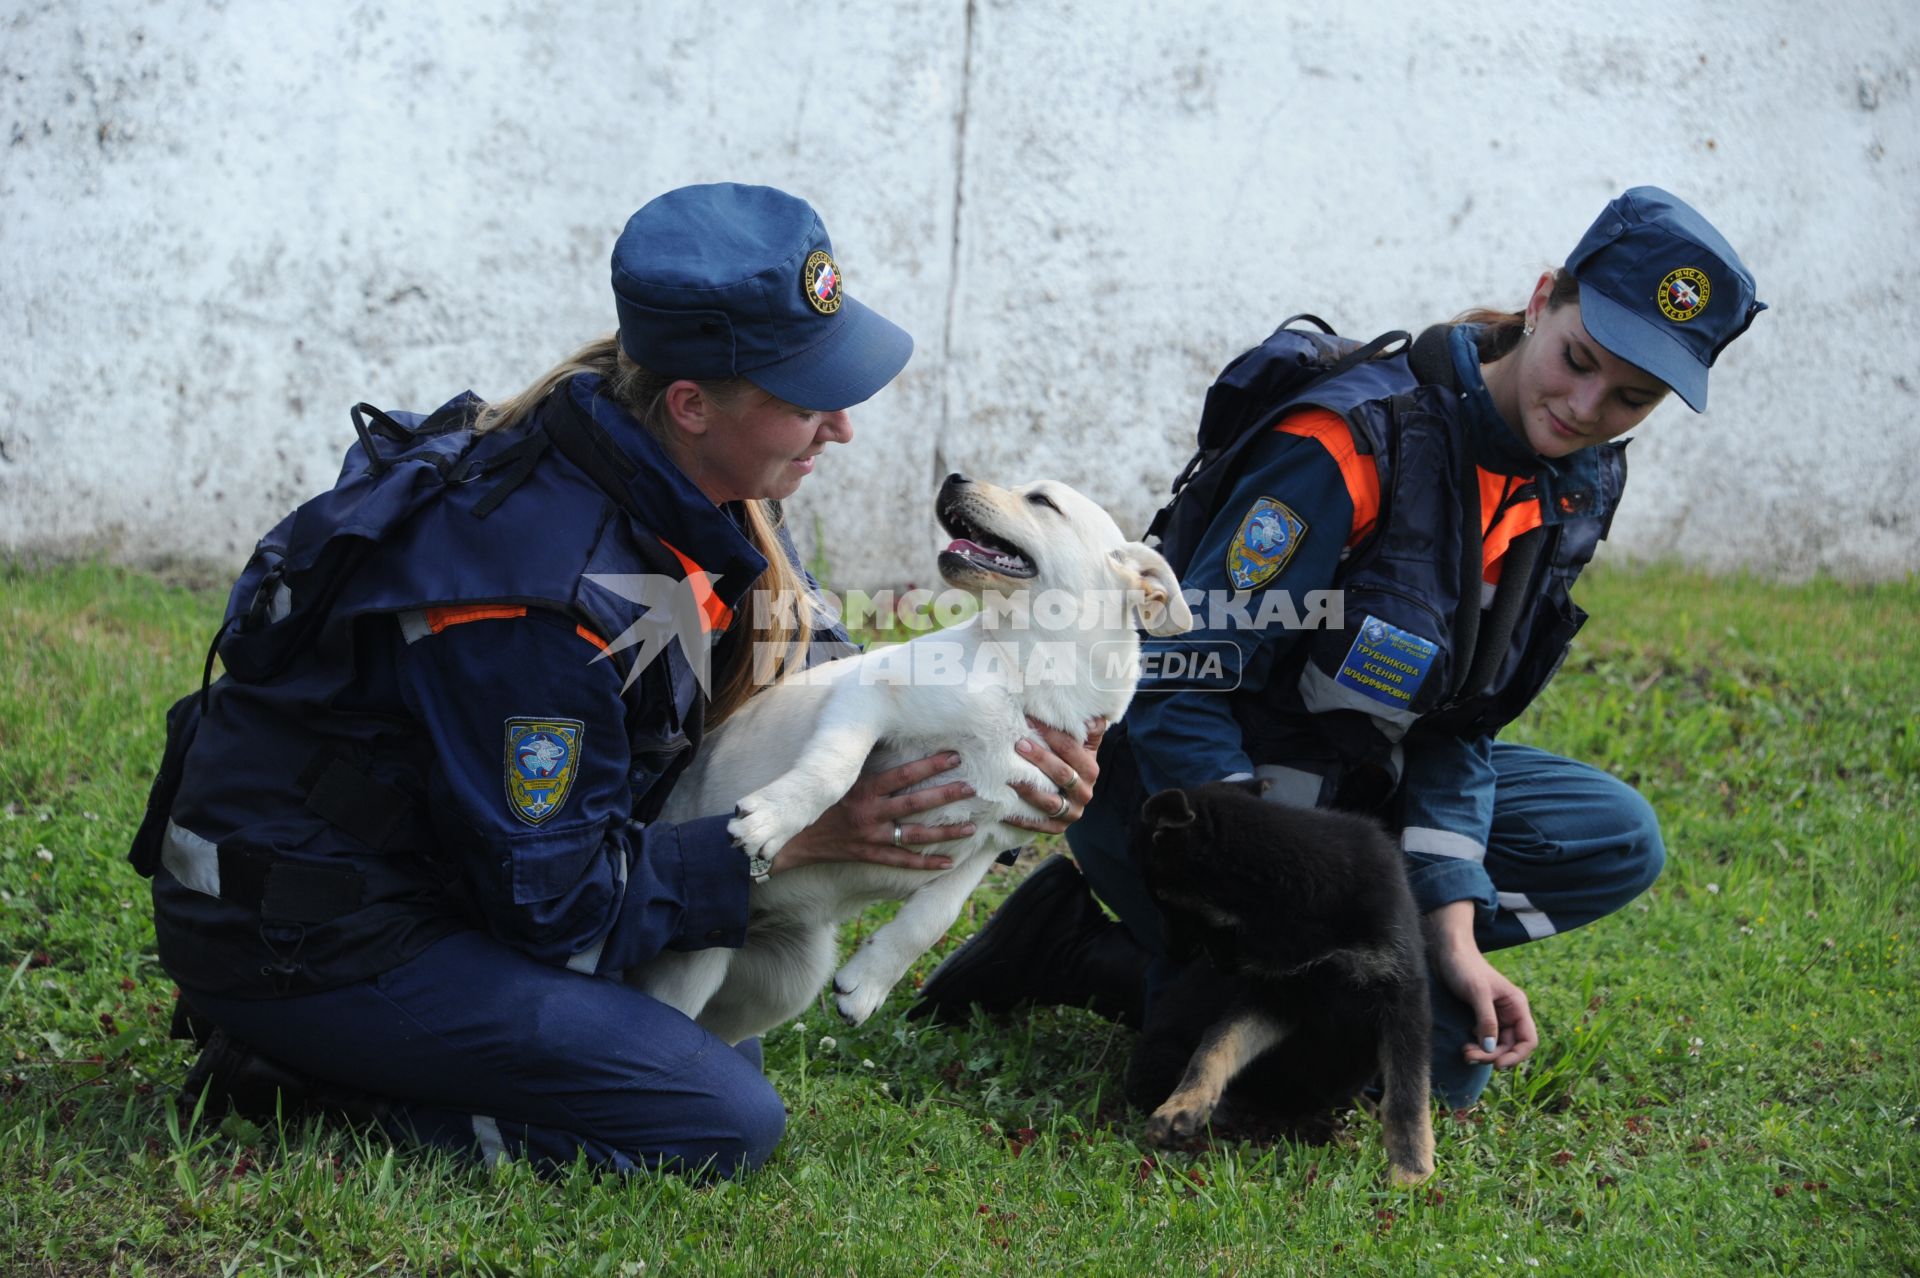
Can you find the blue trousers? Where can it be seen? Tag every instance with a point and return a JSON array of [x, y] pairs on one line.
[[482, 1050], [1569, 844]]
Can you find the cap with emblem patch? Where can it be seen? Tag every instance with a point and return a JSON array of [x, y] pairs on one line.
[[726, 280], [1663, 290]]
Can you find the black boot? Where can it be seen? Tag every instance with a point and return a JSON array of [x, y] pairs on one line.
[[236, 1079], [1049, 945]]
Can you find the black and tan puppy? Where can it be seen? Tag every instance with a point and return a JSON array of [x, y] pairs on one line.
[[1305, 976]]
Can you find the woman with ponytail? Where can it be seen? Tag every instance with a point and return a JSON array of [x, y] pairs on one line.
[[404, 859], [1449, 495]]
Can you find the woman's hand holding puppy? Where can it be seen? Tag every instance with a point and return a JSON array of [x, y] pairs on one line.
[[1070, 765], [869, 822]]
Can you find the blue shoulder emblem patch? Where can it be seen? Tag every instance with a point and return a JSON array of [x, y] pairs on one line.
[[1267, 538], [542, 757]]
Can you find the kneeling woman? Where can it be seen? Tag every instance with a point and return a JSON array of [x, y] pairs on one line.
[[412, 844], [1452, 495]]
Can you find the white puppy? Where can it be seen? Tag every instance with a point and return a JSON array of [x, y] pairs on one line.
[[1062, 591]]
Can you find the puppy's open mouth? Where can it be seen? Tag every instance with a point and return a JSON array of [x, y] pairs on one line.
[[975, 547]]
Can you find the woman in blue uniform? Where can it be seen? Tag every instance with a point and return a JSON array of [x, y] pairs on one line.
[[403, 849], [1451, 494]]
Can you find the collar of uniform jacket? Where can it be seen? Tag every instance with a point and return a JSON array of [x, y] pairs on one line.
[[1496, 445], [677, 511], [1568, 487]]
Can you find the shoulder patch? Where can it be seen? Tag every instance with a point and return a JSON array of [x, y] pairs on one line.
[[1266, 540], [542, 757]]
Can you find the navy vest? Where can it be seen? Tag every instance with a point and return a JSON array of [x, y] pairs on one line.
[[1342, 699], [306, 772]]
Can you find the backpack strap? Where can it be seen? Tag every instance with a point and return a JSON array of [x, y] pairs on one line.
[[516, 464], [1385, 346], [579, 439], [1513, 592], [1312, 319], [366, 420], [1206, 460], [1466, 616]]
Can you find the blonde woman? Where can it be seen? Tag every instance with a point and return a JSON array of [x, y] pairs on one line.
[[402, 846]]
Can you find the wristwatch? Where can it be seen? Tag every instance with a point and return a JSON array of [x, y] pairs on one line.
[[759, 866]]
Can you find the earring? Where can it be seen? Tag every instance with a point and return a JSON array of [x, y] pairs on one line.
[[1527, 331]]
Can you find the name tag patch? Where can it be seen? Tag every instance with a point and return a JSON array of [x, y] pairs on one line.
[[1386, 663]]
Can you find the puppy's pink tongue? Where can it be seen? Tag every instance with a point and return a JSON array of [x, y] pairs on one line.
[[962, 546]]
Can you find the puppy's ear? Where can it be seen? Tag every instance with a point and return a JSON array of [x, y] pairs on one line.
[[1168, 810], [1153, 593]]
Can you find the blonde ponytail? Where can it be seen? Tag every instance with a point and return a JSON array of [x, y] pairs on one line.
[[779, 636]]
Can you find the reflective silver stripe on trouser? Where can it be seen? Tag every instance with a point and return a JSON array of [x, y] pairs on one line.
[[1420, 838], [1533, 920], [1294, 787], [191, 859], [492, 1148], [588, 960]]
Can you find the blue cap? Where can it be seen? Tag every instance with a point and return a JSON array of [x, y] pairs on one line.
[[1663, 290], [723, 281]]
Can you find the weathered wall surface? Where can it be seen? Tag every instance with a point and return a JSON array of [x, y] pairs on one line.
[[222, 224]]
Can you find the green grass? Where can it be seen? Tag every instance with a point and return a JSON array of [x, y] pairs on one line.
[[1727, 1082]]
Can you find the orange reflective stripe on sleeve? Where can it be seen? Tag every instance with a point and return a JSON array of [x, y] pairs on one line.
[[714, 613], [1359, 473], [1362, 479], [439, 619]]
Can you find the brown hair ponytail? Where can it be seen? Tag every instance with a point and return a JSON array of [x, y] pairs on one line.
[[1500, 331]]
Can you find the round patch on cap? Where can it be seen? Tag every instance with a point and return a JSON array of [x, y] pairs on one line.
[[820, 280], [1684, 293]]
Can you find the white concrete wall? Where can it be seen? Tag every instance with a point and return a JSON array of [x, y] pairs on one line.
[[222, 224]]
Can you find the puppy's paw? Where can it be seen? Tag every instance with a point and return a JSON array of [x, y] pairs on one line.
[[757, 826], [856, 999], [1410, 1139], [1179, 1119], [1411, 1175]]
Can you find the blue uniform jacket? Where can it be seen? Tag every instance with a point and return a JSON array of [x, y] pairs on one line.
[[1188, 735], [496, 675]]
